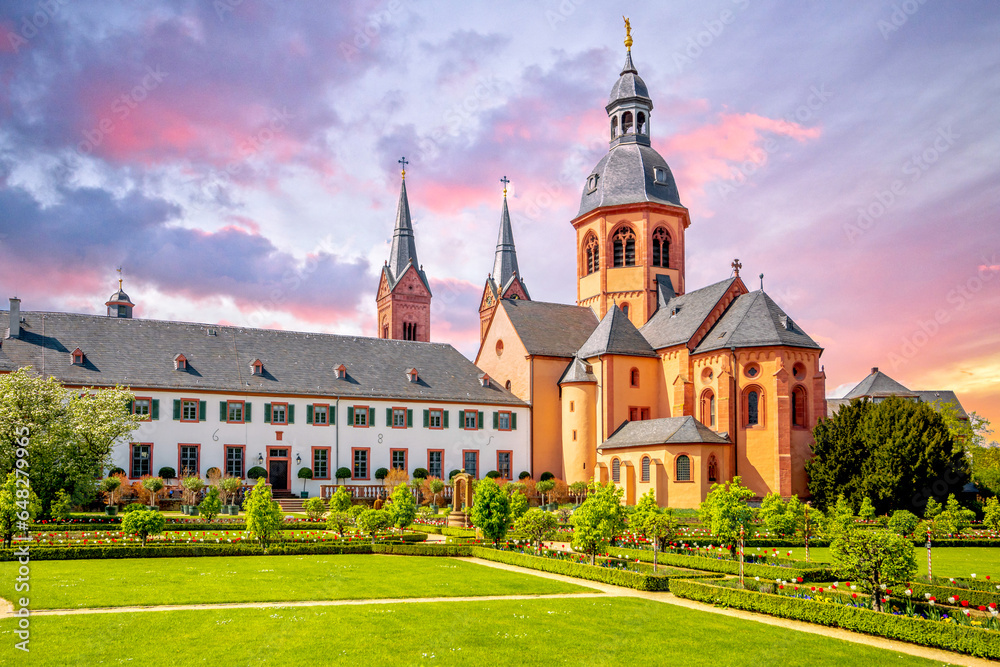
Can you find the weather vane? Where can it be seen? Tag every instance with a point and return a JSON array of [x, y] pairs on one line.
[[628, 34], [505, 181], [119, 279], [403, 161], [736, 267]]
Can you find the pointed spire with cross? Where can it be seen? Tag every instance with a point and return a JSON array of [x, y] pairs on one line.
[[736, 267], [505, 181], [403, 161]]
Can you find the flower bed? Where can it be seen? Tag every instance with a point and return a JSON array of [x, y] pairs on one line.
[[727, 566], [172, 524], [968, 639]]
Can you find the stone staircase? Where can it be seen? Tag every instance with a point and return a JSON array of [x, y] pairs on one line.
[[289, 502]]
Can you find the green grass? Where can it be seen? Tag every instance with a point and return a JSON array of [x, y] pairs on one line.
[[610, 631], [947, 561], [159, 581]]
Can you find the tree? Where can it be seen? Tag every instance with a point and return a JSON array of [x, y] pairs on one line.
[[867, 510], [341, 500], [435, 486], [372, 522], [154, 485], [660, 527], [875, 559], [537, 525], [70, 435], [518, 505], [229, 487], [18, 507], [776, 517], [840, 520], [544, 487], [903, 522], [305, 474], [109, 487], [143, 523], [264, 518], [991, 514], [314, 508], [725, 511], [577, 490], [211, 505], [403, 508], [893, 452], [343, 472], [810, 523], [600, 519], [645, 508], [932, 509], [971, 435], [62, 506], [955, 518], [491, 511]]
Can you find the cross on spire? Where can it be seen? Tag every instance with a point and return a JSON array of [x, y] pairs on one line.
[[403, 161], [505, 181], [736, 267]]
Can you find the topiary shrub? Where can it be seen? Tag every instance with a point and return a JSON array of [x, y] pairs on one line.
[[134, 507], [421, 473], [493, 474], [381, 474], [903, 522], [524, 475], [546, 476], [256, 472], [143, 523], [166, 472], [116, 471], [305, 474], [452, 474], [343, 473]]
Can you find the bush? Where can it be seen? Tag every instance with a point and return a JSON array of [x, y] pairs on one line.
[[536, 525], [876, 559], [134, 507], [524, 474], [143, 523], [381, 474], [421, 473], [546, 476], [451, 475], [343, 473], [723, 566], [492, 474], [903, 522], [256, 472], [263, 515], [166, 472], [116, 471], [372, 522], [211, 505], [62, 505]]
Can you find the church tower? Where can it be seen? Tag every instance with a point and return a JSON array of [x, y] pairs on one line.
[[505, 280], [631, 224], [404, 295]]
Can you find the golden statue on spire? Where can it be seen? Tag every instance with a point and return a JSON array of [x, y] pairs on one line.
[[119, 279], [628, 34]]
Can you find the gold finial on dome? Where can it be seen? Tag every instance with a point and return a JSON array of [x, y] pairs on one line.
[[628, 34], [403, 161]]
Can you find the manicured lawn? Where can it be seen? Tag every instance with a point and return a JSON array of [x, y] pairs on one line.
[[158, 581], [609, 631], [947, 561]]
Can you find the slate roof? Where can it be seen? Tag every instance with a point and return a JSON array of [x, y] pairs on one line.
[[626, 175], [140, 353], [505, 262], [578, 371], [629, 86], [942, 396], [755, 320], [665, 330], [666, 431], [550, 329], [404, 247], [616, 335], [878, 384]]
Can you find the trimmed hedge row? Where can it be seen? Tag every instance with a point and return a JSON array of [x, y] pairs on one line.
[[236, 525], [636, 580], [780, 542], [948, 636], [421, 550], [974, 597], [770, 572]]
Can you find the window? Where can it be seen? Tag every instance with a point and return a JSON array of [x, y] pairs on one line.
[[503, 464], [638, 414], [624, 308], [623, 245], [321, 462], [359, 416], [470, 420], [752, 370], [593, 250], [318, 415], [661, 248], [76, 357], [180, 363], [397, 458], [360, 457], [660, 175], [616, 471], [279, 413], [499, 348], [640, 123], [471, 461], [572, 406], [189, 410], [502, 421], [187, 460], [506, 385], [627, 122], [752, 407], [234, 460], [614, 127], [574, 435], [433, 418], [645, 468], [799, 406], [142, 458], [799, 371], [683, 468], [409, 331], [592, 182], [399, 418], [633, 377], [708, 407], [713, 469], [141, 408], [257, 367], [234, 412], [435, 462]]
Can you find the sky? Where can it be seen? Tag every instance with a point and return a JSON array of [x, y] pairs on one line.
[[238, 160]]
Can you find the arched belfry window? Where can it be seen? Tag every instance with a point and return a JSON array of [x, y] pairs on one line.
[[624, 308], [640, 123], [645, 468], [753, 407], [799, 406], [661, 247], [614, 127], [616, 471], [708, 408], [627, 122], [624, 247], [593, 252]]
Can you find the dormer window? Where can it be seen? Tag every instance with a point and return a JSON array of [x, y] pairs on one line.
[[660, 175], [340, 372], [180, 363], [411, 375], [592, 183], [76, 357], [257, 367], [484, 379]]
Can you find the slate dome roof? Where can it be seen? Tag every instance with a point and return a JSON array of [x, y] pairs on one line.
[[120, 295], [627, 175], [629, 85]]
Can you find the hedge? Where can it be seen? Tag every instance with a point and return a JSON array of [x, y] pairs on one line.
[[215, 525], [421, 550], [626, 578], [725, 566], [942, 593], [948, 636]]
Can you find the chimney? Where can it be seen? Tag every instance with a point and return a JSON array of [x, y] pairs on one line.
[[15, 317], [874, 370]]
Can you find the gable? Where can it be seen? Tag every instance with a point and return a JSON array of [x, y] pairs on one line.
[[411, 284]]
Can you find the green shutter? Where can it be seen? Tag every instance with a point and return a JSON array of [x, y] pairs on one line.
[[267, 413], [246, 412], [513, 421], [427, 418], [331, 414], [131, 407], [154, 411], [479, 422], [350, 416], [222, 411], [371, 416], [309, 414], [202, 410], [388, 417], [291, 414], [444, 418], [496, 420], [409, 418], [177, 409]]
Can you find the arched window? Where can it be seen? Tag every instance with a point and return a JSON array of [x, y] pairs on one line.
[[624, 247], [624, 308], [506, 385], [614, 127], [593, 250], [799, 406], [708, 408], [753, 407], [640, 123], [633, 377], [683, 468], [713, 469], [661, 247], [627, 122], [645, 468], [616, 471]]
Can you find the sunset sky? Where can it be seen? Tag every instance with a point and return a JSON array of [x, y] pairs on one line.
[[238, 159]]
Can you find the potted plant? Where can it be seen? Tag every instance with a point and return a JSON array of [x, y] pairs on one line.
[[436, 486], [343, 473], [154, 485], [256, 473], [192, 487], [305, 474], [110, 486], [229, 487], [381, 474], [544, 488]]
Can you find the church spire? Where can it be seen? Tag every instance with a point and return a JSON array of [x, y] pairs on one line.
[[505, 263], [404, 247]]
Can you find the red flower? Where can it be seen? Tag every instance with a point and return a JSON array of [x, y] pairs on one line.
[[854, 595], [799, 579], [982, 608], [965, 603], [812, 588]]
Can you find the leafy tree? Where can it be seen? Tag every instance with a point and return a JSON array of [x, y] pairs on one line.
[[229, 487], [875, 559], [109, 487], [518, 505], [840, 519], [18, 505], [578, 490], [544, 487], [381, 474], [338, 521], [725, 511], [932, 509], [599, 520], [903, 522], [211, 505], [154, 485], [537, 525], [343, 472], [991, 514], [891, 452], [403, 508], [955, 518], [62, 506], [645, 508], [314, 508], [341, 500], [143, 523], [70, 435], [435, 486], [776, 517], [305, 474], [491, 510], [661, 528], [264, 518], [867, 510], [372, 522], [810, 523], [354, 511], [192, 484]]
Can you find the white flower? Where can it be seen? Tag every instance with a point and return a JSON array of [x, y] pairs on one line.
[[756, 578], [908, 592], [973, 575], [927, 596], [854, 588], [932, 603], [951, 599]]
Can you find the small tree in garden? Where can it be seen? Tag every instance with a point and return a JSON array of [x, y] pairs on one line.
[[143, 523], [314, 508], [903, 522], [15, 510], [809, 522], [338, 521], [403, 507], [840, 519], [518, 505], [523, 475], [229, 487], [875, 559], [578, 490], [867, 510], [421, 473], [257, 472], [991, 514], [211, 505], [264, 518], [305, 474], [343, 473], [435, 486], [109, 487], [777, 516], [395, 477], [725, 511], [932, 509], [166, 472], [192, 487], [661, 528], [154, 485], [645, 508], [544, 487], [371, 522], [955, 518], [62, 504], [537, 525], [491, 510], [381, 474], [341, 500], [600, 519]]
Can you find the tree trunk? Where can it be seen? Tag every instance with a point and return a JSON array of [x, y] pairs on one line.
[[591, 559], [655, 545], [807, 547]]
